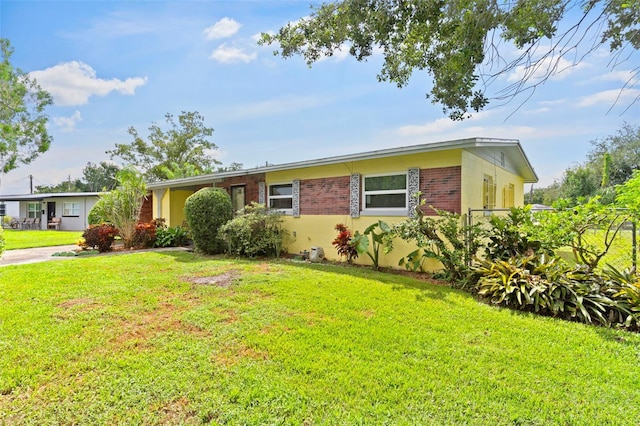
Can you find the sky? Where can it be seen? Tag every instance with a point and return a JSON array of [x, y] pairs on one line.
[[111, 65]]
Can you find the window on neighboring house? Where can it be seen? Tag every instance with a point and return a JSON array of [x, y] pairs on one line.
[[71, 209], [385, 192], [281, 196], [508, 197], [237, 198], [488, 193], [33, 210]]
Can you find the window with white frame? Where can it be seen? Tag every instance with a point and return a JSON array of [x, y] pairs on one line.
[[281, 196], [33, 210], [71, 209], [385, 192]]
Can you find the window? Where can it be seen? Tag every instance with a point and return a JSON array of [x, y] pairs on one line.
[[488, 193], [281, 196], [385, 192], [71, 209], [33, 210], [508, 198], [237, 198]]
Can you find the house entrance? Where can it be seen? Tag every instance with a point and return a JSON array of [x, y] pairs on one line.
[[51, 210]]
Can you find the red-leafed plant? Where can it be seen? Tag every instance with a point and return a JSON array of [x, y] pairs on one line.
[[100, 237], [343, 243], [144, 235]]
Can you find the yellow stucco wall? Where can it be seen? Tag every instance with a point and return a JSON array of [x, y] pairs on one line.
[[381, 165], [306, 232], [172, 205], [473, 170]]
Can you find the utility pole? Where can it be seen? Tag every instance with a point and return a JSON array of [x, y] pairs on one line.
[[31, 184]]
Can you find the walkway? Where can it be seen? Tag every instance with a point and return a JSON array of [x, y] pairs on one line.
[[33, 255]]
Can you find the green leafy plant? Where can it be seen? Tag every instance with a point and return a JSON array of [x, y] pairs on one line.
[[449, 239], [344, 244], [623, 286], [378, 239], [206, 211], [1, 241], [255, 231], [575, 226], [510, 235], [100, 237], [172, 236]]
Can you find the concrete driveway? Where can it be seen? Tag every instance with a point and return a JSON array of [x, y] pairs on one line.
[[33, 255]]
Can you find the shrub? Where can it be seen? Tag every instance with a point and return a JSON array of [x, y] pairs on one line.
[[206, 211], [447, 239], [173, 236], [100, 237], [510, 237], [255, 231], [144, 235], [344, 244]]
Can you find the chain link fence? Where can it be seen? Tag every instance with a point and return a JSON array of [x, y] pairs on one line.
[[622, 250]]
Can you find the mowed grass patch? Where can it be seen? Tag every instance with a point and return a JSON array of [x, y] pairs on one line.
[[29, 239], [174, 338]]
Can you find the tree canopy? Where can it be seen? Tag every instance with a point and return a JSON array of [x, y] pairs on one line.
[[23, 122], [96, 178], [459, 43], [182, 150]]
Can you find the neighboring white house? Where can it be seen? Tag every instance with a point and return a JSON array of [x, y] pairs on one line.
[[72, 207]]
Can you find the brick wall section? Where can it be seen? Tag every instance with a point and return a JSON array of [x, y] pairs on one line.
[[146, 214], [441, 188], [250, 183], [328, 196]]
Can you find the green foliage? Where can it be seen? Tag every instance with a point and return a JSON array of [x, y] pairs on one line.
[[23, 122], [511, 236], [171, 236], [255, 231], [100, 237], [575, 227], [344, 244], [183, 150], [628, 194], [206, 211], [427, 35], [121, 207], [623, 286], [96, 178], [383, 236], [1, 241], [546, 286], [449, 239]]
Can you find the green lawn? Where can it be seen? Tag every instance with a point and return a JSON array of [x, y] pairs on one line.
[[172, 338], [28, 239]]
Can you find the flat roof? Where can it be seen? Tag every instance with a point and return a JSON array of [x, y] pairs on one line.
[[40, 197]]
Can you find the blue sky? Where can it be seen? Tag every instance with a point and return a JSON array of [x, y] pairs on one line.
[[111, 65]]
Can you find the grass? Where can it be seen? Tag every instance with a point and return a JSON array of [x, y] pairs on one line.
[[28, 239], [172, 338]]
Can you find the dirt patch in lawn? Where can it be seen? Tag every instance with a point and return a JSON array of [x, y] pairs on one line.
[[221, 280]]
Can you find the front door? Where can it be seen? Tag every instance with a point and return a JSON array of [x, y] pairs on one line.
[[237, 198], [51, 210]]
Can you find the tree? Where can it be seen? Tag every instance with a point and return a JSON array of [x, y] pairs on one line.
[[623, 150], [75, 185], [459, 42], [23, 123], [100, 177], [184, 145], [121, 207]]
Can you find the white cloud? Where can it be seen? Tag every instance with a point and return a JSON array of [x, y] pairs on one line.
[[226, 27], [438, 126], [68, 124], [73, 83], [279, 106], [231, 55], [611, 97], [555, 68], [629, 77]]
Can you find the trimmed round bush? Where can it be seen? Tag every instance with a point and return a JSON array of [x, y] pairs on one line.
[[206, 211]]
